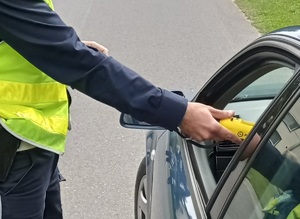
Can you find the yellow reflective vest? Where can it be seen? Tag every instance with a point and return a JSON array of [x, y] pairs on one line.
[[33, 106]]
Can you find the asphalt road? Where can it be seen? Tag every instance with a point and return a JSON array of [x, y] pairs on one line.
[[174, 44]]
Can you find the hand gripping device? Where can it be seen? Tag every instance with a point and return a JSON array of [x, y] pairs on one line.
[[239, 127]]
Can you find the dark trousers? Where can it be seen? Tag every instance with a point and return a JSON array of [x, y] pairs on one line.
[[31, 190]]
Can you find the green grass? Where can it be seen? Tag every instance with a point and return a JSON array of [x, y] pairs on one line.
[[268, 15]]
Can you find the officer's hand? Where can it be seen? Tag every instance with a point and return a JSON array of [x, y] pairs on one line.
[[199, 123], [97, 46]]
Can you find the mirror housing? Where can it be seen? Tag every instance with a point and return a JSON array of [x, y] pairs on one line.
[[127, 121]]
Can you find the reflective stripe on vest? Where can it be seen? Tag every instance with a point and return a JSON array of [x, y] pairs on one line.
[[33, 106]]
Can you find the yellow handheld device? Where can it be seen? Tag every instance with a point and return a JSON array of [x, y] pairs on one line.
[[239, 127]]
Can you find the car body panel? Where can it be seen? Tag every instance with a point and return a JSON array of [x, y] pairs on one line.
[[167, 180], [293, 32]]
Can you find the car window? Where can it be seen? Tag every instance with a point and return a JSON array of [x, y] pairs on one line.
[[251, 101], [265, 87], [251, 98], [271, 187]]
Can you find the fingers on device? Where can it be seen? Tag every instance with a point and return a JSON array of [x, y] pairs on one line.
[[239, 127]]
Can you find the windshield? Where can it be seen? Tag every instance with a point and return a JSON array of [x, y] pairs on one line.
[[265, 87]]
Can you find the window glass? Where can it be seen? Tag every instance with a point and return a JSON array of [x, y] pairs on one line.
[[271, 188], [267, 86]]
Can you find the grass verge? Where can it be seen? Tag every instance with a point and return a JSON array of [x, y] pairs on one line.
[[267, 15]]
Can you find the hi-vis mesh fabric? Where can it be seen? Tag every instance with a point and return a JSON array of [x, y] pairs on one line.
[[33, 106]]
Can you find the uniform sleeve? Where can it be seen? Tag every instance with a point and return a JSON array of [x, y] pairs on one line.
[[40, 36], [278, 169]]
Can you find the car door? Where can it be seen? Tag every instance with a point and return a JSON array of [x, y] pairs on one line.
[[251, 84]]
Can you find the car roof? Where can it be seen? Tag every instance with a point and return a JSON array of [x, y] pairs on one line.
[[291, 31]]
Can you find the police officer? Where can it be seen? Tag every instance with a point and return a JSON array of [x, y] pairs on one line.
[[39, 57]]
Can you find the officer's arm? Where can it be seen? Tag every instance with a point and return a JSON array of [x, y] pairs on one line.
[[38, 33], [278, 169]]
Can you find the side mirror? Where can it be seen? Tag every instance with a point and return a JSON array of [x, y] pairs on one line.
[[127, 121]]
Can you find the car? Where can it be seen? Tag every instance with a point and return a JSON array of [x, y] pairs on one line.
[[183, 179]]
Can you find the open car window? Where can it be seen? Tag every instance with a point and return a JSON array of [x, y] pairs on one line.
[[249, 99], [271, 188]]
